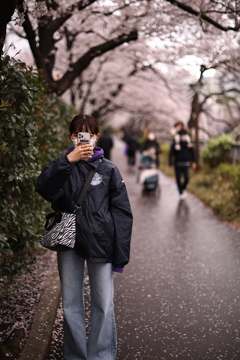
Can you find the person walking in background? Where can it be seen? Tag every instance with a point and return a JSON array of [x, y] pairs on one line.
[[103, 235], [106, 143], [182, 157], [152, 146], [132, 147]]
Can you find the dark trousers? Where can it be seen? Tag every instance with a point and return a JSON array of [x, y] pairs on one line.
[[131, 157], [182, 170]]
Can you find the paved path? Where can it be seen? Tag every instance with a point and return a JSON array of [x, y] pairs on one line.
[[179, 297]]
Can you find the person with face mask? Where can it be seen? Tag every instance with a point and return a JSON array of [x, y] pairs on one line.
[[103, 235], [152, 146], [182, 157]]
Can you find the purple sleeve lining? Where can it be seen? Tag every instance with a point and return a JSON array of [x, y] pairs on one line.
[[119, 270]]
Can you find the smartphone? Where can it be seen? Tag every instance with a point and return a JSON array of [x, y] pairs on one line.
[[83, 137]]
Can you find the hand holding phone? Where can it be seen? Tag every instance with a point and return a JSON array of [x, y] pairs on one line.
[[84, 150]]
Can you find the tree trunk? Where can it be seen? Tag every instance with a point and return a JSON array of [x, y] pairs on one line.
[[7, 8]]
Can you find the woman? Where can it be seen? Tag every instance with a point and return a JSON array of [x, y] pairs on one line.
[[103, 233]]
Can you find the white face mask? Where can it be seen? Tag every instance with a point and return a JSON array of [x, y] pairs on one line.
[[151, 136], [92, 142], [75, 142]]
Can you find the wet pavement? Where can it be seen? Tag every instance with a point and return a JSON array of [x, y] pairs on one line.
[[179, 297]]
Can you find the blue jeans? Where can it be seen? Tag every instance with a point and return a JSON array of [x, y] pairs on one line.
[[179, 171], [102, 341]]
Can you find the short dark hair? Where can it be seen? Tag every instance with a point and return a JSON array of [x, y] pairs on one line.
[[179, 123], [86, 122], [182, 132]]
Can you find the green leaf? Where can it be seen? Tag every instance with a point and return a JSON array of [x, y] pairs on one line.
[[33, 126]]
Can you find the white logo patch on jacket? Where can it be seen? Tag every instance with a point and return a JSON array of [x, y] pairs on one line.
[[97, 179]]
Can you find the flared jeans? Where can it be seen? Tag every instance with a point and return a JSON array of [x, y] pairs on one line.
[[102, 341]]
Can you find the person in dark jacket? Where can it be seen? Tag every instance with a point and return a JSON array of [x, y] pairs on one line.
[[103, 234], [182, 157], [106, 143], [132, 145]]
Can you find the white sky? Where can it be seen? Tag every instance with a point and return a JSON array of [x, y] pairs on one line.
[[20, 46]]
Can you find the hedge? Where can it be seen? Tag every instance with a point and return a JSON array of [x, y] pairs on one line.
[[33, 128]]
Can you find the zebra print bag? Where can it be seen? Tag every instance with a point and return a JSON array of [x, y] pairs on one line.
[[61, 227], [61, 231]]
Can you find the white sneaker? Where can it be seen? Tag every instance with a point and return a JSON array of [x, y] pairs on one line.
[[182, 196]]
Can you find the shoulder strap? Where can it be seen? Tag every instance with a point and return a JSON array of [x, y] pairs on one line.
[[85, 187]]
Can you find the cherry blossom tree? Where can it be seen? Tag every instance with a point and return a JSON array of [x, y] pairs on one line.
[[123, 83], [223, 15], [213, 36], [130, 56], [55, 25]]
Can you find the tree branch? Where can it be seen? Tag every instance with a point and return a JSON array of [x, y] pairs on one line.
[[118, 8], [205, 131], [222, 121], [31, 36], [83, 62], [90, 84], [203, 16], [221, 93]]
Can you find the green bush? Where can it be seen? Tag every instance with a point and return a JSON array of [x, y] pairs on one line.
[[235, 187], [219, 189], [227, 172], [217, 149], [33, 127]]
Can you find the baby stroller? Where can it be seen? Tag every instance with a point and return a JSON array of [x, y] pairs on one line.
[[148, 174]]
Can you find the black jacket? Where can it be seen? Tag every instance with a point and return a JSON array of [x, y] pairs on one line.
[[105, 142], [148, 144], [185, 155], [104, 222]]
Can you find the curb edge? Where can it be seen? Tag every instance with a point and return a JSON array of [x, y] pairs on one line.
[[37, 343]]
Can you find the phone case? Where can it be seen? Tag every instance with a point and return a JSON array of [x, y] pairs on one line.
[[83, 137]]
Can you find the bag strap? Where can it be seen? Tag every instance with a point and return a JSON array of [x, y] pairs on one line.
[[85, 187]]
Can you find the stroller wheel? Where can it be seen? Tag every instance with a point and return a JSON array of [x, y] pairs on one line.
[[146, 192]]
